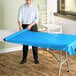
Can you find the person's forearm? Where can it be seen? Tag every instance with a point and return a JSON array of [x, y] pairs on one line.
[[32, 24], [20, 24]]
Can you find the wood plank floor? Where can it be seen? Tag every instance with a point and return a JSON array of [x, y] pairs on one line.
[[10, 65]]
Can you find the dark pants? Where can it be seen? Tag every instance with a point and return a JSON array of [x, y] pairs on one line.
[[25, 47]]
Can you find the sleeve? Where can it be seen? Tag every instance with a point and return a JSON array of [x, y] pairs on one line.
[[20, 14], [36, 15]]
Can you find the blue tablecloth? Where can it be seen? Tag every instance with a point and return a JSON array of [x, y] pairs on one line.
[[62, 42]]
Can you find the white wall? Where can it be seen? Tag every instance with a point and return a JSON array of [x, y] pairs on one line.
[[68, 26], [8, 14]]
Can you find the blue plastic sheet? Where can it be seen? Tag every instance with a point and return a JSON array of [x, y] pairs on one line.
[[62, 42]]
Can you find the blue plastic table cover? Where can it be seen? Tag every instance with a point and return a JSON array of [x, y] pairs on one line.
[[62, 42]]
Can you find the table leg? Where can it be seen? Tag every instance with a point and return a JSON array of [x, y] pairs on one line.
[[60, 63], [67, 62]]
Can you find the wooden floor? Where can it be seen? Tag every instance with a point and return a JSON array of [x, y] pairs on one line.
[[10, 65]]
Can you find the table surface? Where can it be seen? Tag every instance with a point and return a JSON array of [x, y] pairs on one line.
[[62, 42]]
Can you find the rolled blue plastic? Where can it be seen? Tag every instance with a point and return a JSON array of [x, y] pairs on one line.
[[62, 42]]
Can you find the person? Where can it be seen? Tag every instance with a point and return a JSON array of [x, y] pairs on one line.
[[28, 17]]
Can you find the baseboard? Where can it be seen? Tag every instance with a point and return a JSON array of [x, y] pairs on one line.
[[12, 49]]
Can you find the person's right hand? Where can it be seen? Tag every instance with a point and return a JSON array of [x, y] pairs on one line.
[[21, 28]]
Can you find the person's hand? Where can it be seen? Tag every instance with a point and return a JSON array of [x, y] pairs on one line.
[[21, 28], [29, 27]]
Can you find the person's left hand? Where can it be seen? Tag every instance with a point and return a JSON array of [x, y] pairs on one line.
[[29, 27]]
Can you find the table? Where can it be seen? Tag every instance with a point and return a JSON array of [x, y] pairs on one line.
[[61, 42]]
